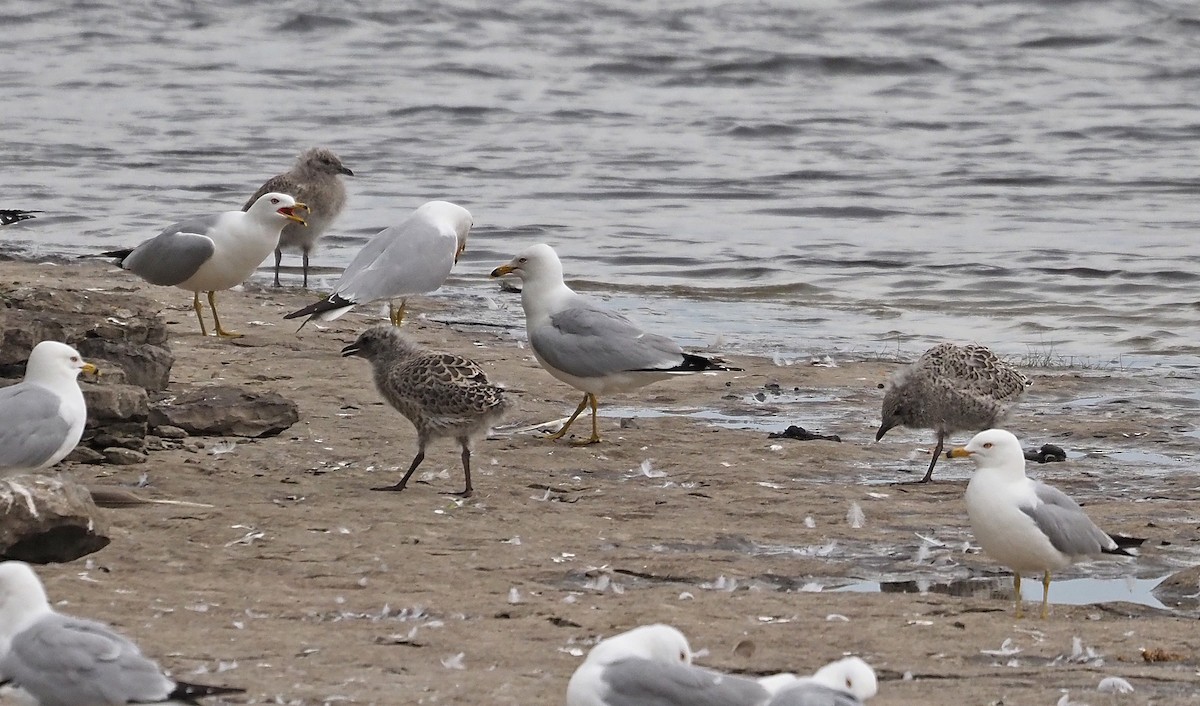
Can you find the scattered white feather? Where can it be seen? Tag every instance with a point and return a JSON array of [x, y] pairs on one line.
[[514, 595], [222, 447], [809, 522], [454, 661], [855, 517], [1114, 685], [648, 470], [1006, 649]]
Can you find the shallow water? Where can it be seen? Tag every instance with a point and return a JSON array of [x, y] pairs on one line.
[[1083, 591], [774, 177]]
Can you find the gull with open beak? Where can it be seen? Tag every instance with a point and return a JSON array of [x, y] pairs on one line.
[[212, 253]]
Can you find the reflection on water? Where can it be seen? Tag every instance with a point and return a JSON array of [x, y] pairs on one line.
[[1082, 591]]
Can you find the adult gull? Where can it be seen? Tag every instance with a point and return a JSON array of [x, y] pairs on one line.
[[1023, 523], [315, 179], [60, 660], [212, 253], [586, 345], [951, 388], [442, 394], [42, 417], [414, 257]]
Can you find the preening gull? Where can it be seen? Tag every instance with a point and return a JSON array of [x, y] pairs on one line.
[[442, 394], [42, 417], [951, 388], [652, 665], [59, 660], [586, 345], [8, 216], [212, 253], [315, 179], [1023, 523], [414, 257]]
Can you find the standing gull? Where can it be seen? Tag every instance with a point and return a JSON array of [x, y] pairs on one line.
[[584, 344], [211, 253], [951, 388], [42, 417], [315, 180], [440, 393], [1023, 523], [8, 216], [414, 257], [59, 660]]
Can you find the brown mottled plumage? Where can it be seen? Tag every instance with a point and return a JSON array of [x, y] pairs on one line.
[[951, 388], [442, 394], [315, 181]]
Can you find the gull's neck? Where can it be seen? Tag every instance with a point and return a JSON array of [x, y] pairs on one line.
[[544, 295], [51, 379]]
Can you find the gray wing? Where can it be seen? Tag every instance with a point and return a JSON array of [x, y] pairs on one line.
[[175, 254], [1065, 524], [281, 183], [66, 661], [31, 428], [642, 682], [413, 257], [813, 695], [588, 341]]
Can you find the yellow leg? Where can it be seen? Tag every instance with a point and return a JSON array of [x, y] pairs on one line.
[[559, 434], [199, 315], [1017, 591], [1046, 595], [397, 315], [595, 437], [212, 303]]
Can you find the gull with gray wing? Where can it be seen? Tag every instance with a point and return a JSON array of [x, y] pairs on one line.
[[42, 417], [53, 659], [316, 180]]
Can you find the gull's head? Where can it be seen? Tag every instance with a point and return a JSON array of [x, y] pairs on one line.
[[384, 341], [450, 214], [322, 161], [51, 360], [22, 598], [994, 448], [658, 642], [537, 263], [851, 675], [277, 204], [893, 412]]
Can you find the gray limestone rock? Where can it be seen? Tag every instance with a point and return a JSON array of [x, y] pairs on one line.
[[226, 410], [45, 519]]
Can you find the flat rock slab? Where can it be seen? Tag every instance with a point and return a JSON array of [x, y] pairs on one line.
[[225, 410], [45, 520]]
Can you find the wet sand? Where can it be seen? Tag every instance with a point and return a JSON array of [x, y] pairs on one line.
[[305, 587]]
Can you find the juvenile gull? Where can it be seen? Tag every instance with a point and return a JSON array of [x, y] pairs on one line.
[[951, 388], [414, 257], [652, 666], [211, 253], [440, 393], [1023, 523], [584, 344], [59, 660], [315, 180], [42, 417], [8, 216]]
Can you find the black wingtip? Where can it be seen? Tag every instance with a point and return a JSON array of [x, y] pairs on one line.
[[328, 304], [1124, 544], [8, 216], [192, 693], [120, 255], [698, 363]]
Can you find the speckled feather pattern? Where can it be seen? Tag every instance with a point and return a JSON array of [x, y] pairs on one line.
[[952, 388]]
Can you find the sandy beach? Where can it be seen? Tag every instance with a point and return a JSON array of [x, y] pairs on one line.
[[304, 587]]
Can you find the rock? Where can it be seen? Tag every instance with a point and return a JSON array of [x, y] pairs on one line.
[[84, 454], [44, 519], [167, 431], [144, 364], [1181, 589], [115, 403], [123, 457], [225, 410], [802, 434]]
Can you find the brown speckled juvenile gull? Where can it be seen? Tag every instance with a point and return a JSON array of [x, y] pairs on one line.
[[442, 394], [315, 180], [948, 389]]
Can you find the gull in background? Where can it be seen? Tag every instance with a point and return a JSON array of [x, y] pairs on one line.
[[586, 345]]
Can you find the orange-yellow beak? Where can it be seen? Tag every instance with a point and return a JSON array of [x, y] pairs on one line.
[[288, 212], [503, 270], [958, 452]]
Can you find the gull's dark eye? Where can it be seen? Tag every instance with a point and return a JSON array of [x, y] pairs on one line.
[[74, 359], [523, 260], [274, 200], [848, 684], [682, 656], [988, 445]]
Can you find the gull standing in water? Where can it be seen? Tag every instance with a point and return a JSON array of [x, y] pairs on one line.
[[1024, 523], [60, 660], [586, 345], [315, 179], [42, 417], [414, 257], [951, 388], [212, 253], [440, 393]]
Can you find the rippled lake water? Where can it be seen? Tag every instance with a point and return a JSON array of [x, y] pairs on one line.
[[782, 177]]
